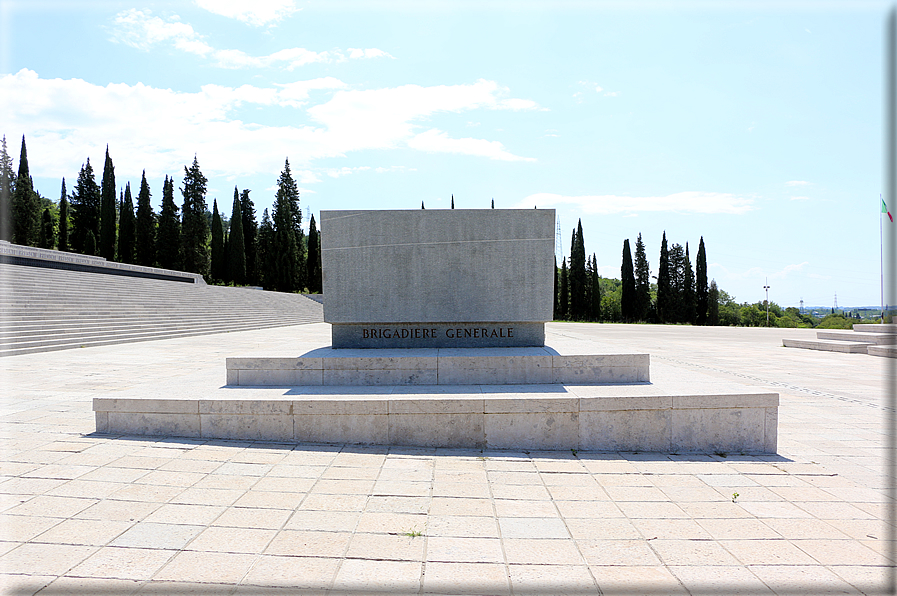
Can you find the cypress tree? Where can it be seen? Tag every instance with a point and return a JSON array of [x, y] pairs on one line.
[[63, 243], [284, 253], [47, 235], [250, 238], [564, 298], [107, 210], [577, 275], [236, 245], [194, 225], [7, 186], [453, 201], [218, 265], [676, 310], [627, 292], [701, 292], [127, 237], [421, 204], [266, 258], [595, 293], [688, 290], [642, 282], [493, 206], [90, 243], [554, 310], [301, 243], [713, 304], [85, 211], [26, 215], [315, 281], [664, 289], [168, 237], [145, 226]]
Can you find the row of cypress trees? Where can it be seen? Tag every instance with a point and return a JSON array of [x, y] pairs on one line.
[[91, 221], [681, 294]]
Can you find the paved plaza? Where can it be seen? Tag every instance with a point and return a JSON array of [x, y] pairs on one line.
[[84, 513]]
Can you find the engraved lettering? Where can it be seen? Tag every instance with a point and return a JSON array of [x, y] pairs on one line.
[[365, 334], [510, 332]]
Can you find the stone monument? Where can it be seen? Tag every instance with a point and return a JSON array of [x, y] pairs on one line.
[[447, 278]]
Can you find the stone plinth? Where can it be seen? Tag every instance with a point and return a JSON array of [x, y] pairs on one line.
[[640, 417], [417, 271]]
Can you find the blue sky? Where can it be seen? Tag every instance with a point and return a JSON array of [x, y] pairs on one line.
[[755, 125]]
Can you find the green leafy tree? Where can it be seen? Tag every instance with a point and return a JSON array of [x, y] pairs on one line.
[[107, 210], [701, 291], [127, 237], [642, 299], [315, 281], [63, 239], [168, 236], [85, 211], [665, 300], [194, 225], [145, 233], [26, 214], [627, 276], [218, 267], [7, 186], [578, 279], [564, 298], [47, 235], [236, 245], [676, 312], [250, 238]]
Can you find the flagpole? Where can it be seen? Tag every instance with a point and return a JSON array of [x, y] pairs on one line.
[[881, 250]]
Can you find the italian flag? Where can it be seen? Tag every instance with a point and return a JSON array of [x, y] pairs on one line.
[[884, 209]]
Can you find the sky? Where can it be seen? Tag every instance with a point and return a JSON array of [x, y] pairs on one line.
[[755, 125]]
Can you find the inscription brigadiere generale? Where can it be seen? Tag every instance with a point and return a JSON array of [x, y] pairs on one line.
[[430, 333]]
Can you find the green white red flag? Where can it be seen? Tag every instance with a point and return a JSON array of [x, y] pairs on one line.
[[884, 209]]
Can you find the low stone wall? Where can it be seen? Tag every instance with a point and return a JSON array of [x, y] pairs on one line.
[[16, 254]]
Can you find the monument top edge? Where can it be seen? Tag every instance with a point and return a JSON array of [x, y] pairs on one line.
[[428, 211]]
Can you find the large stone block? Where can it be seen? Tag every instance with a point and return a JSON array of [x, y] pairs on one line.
[[476, 269]]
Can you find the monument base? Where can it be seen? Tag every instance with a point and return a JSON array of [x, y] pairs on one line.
[[438, 366], [642, 417]]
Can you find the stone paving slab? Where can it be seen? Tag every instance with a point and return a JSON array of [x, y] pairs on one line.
[[82, 513]]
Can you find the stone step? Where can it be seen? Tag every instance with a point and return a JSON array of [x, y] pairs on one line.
[[827, 345], [15, 351], [872, 338], [876, 328], [437, 366], [646, 417], [888, 351]]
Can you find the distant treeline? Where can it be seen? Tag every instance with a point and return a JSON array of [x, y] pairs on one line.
[[275, 254]]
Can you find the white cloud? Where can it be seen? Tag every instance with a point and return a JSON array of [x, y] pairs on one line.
[[436, 141], [612, 94], [797, 183], [254, 12], [143, 31], [680, 202], [66, 121], [800, 198]]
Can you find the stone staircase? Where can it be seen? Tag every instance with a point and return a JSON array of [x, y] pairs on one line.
[[877, 340], [45, 309]]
